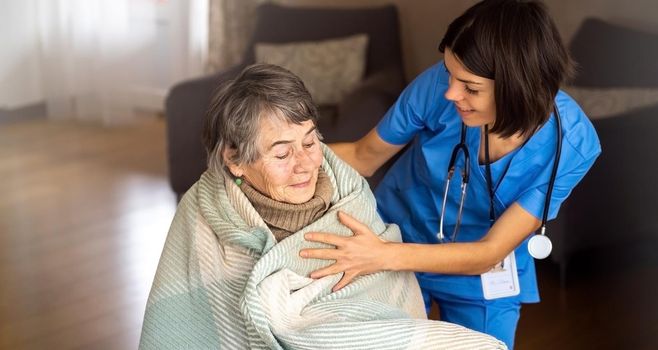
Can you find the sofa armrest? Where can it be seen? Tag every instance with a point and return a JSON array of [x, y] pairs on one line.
[[185, 109]]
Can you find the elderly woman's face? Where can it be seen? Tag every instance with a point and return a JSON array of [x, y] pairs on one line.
[[287, 170]]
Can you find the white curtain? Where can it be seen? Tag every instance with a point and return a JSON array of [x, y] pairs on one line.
[[103, 59]]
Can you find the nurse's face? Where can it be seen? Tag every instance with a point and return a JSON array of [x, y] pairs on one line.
[[291, 156], [473, 95]]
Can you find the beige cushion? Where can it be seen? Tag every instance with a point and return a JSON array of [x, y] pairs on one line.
[[600, 103], [329, 68]]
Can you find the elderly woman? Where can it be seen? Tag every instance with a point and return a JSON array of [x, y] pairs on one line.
[[230, 275]]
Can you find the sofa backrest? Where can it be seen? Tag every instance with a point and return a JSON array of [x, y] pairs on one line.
[[283, 24], [613, 56]]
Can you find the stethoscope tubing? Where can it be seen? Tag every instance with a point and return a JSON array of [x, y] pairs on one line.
[[556, 162], [461, 146], [466, 173]]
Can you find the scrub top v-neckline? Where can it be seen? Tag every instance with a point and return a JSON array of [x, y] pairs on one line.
[[512, 159], [499, 167]]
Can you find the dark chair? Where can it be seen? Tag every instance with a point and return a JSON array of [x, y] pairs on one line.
[[356, 114], [615, 206]]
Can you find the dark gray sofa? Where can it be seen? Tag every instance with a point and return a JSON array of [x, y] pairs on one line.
[[616, 205], [357, 113]]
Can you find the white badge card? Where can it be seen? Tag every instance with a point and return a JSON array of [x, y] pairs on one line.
[[501, 281]]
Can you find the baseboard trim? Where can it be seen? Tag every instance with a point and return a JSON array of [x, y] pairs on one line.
[[147, 98], [29, 112]]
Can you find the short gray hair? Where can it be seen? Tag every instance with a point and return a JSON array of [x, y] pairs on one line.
[[236, 110]]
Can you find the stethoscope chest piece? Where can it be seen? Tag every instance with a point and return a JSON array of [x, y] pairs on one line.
[[540, 246]]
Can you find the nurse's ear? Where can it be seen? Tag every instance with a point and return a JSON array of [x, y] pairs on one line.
[[228, 156]]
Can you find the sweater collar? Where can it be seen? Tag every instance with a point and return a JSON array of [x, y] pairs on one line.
[[285, 219]]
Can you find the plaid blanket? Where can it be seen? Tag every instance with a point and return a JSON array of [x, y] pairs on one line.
[[223, 282]]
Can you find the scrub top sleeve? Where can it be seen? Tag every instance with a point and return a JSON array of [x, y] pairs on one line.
[[410, 112], [580, 148], [533, 200]]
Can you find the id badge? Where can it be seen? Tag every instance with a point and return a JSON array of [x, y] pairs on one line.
[[502, 280]]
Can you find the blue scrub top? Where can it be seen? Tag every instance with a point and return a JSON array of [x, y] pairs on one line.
[[410, 194]]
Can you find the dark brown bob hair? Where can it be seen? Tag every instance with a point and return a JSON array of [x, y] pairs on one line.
[[517, 44]]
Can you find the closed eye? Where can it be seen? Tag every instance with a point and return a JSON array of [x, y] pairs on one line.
[[470, 91], [282, 156]]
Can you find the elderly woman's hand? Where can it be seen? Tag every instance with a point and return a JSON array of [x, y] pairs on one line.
[[361, 254]]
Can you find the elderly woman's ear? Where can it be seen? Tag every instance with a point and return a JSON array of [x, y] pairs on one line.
[[235, 169]]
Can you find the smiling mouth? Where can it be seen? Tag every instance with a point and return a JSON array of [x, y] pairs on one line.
[[464, 109], [301, 184]]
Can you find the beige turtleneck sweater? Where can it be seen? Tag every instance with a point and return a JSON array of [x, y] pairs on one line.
[[284, 219]]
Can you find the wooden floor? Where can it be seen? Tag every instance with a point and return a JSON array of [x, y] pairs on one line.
[[84, 211], [610, 302]]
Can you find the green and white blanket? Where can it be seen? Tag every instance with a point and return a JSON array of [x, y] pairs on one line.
[[224, 283]]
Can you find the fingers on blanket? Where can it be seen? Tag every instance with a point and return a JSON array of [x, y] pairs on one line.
[[353, 224], [328, 238], [320, 253], [348, 277], [327, 271]]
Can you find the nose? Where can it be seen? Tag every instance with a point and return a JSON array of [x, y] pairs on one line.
[[303, 162], [453, 93]]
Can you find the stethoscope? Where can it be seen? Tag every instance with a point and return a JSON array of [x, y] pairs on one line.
[[539, 246]]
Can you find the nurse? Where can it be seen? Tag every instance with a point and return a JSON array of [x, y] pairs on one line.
[[499, 82]]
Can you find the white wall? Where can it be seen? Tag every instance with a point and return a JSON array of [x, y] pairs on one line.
[[20, 71]]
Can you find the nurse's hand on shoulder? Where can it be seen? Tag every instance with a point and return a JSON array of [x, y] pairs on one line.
[[355, 256]]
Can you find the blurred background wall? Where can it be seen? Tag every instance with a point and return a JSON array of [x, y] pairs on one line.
[[423, 22], [169, 43]]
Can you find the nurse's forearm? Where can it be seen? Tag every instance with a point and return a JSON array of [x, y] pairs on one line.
[[347, 151], [367, 154], [449, 258], [471, 258]]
